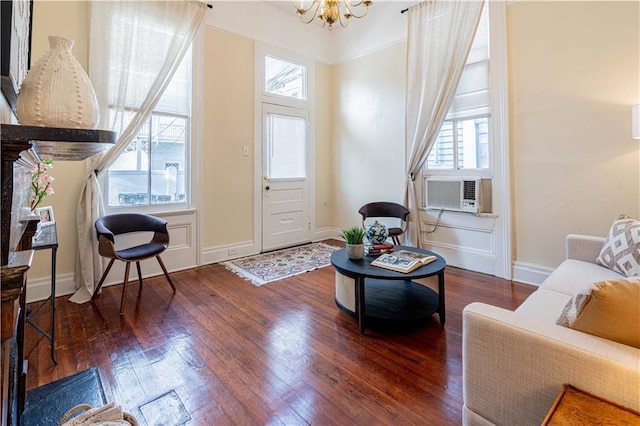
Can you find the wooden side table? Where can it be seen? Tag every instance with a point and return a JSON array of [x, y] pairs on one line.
[[576, 407]]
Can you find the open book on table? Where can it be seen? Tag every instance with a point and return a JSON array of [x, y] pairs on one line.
[[403, 261]]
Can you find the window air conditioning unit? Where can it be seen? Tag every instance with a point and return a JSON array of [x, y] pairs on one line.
[[458, 194]]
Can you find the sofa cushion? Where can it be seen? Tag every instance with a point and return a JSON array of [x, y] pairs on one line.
[[544, 305], [621, 251], [608, 309], [573, 276]]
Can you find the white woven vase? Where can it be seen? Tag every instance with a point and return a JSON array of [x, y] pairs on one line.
[[57, 91]]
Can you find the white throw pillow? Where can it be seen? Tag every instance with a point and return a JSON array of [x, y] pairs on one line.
[[621, 250]]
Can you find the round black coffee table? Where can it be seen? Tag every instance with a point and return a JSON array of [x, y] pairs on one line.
[[391, 295]]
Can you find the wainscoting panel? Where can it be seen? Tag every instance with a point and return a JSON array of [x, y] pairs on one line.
[[464, 240]]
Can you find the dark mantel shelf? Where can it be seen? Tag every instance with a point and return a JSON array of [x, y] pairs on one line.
[[60, 143]]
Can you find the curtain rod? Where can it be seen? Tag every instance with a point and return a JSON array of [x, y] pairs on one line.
[[404, 10]]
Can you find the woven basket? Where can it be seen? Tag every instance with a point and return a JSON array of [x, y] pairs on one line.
[[86, 407]]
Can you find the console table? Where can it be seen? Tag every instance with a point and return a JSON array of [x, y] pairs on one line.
[[47, 239], [22, 147], [390, 295]]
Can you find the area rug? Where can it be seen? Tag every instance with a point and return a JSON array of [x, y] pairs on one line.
[[276, 265]]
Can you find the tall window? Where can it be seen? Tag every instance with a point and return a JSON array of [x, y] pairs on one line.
[[464, 140], [153, 169]]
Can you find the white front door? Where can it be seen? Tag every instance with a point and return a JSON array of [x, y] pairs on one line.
[[285, 184]]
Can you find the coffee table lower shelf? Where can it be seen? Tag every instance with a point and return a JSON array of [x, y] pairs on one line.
[[390, 303]]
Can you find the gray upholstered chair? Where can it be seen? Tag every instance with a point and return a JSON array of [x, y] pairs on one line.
[[110, 226]]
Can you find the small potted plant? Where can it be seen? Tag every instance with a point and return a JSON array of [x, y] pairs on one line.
[[354, 237]]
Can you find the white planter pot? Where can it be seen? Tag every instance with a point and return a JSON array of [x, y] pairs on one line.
[[355, 251]]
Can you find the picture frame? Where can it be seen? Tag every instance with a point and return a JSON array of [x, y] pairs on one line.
[[46, 216], [16, 17]]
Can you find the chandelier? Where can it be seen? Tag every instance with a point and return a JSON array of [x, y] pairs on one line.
[[328, 11]]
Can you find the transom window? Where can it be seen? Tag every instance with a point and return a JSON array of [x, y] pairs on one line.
[[285, 78]]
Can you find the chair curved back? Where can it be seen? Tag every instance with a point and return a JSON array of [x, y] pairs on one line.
[[384, 209], [109, 226]]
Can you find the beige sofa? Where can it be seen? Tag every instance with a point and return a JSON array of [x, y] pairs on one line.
[[515, 362]]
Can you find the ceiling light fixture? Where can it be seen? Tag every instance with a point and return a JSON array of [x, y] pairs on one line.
[[328, 11]]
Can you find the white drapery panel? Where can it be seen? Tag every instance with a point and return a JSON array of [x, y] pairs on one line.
[[440, 34], [135, 49]]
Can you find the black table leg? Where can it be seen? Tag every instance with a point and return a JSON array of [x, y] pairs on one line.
[[53, 304], [360, 305], [441, 309]]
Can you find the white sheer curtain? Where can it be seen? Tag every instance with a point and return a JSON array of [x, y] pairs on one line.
[[440, 34], [135, 49]]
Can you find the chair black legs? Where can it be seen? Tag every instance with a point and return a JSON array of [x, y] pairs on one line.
[[126, 279], [139, 274], [124, 287], [102, 278], [166, 274]]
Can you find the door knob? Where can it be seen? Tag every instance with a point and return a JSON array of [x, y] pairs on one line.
[[267, 187]]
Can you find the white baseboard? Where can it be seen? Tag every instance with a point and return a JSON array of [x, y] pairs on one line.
[[227, 252], [40, 288], [325, 234], [530, 274]]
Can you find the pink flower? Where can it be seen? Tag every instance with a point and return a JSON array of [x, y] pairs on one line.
[[41, 183]]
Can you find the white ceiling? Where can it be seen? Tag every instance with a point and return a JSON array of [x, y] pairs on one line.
[[276, 22]]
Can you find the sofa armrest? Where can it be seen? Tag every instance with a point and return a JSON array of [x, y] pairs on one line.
[[584, 247], [514, 366]]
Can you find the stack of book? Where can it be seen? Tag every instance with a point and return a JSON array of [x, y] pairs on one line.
[[403, 261], [377, 249]]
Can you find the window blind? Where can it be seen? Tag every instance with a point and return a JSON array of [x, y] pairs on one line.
[[472, 96]]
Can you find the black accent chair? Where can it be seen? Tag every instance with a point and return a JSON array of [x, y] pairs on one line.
[[387, 209], [117, 224]]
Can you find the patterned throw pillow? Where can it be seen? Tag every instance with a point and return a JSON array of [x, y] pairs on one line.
[[621, 251], [609, 309]]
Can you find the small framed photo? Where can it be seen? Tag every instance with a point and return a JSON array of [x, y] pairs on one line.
[[46, 216]]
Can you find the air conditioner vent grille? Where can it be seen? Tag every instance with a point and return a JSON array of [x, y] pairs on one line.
[[444, 195], [469, 190], [458, 194]]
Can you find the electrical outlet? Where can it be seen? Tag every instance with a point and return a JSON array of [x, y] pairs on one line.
[[232, 251]]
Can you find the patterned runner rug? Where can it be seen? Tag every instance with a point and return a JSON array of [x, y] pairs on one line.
[[276, 265]]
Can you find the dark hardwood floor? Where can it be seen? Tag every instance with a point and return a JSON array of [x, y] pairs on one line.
[[282, 353]]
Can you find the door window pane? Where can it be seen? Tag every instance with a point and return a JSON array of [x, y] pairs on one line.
[[287, 146], [285, 78]]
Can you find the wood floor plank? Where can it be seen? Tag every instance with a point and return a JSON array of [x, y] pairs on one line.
[[280, 354]]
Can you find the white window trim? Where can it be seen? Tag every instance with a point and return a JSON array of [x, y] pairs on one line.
[[192, 148], [499, 149]]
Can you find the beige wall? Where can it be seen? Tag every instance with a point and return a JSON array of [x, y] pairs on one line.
[[574, 70], [325, 181], [574, 75], [227, 176], [368, 131], [70, 20]]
